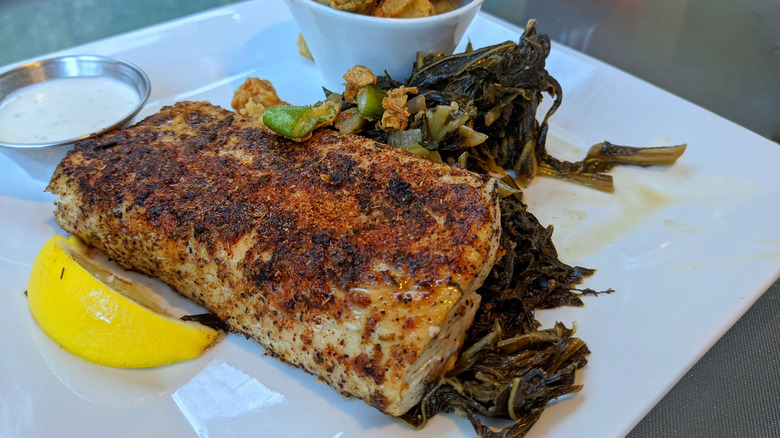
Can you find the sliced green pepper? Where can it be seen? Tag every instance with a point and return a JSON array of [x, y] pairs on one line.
[[296, 122], [369, 101]]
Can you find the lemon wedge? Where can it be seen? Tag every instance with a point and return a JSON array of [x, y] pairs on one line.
[[84, 307]]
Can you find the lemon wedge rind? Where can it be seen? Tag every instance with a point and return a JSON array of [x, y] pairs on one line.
[[88, 310]]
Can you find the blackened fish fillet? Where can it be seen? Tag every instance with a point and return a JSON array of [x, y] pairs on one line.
[[342, 256]]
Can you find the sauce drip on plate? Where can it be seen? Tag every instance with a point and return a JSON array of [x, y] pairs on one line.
[[64, 109]]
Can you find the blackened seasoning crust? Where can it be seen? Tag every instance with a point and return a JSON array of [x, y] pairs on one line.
[[340, 255]]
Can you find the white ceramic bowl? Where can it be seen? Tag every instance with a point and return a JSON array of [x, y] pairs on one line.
[[339, 40]]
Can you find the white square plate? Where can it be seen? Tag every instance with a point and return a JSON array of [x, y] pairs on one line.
[[687, 248]]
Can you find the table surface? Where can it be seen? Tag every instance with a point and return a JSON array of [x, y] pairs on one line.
[[723, 55]]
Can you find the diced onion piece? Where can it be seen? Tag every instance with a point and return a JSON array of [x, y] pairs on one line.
[[422, 152], [400, 139], [416, 104], [505, 189], [350, 121], [492, 115], [442, 120], [470, 137]]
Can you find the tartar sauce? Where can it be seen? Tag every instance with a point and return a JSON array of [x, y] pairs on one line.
[[64, 109]]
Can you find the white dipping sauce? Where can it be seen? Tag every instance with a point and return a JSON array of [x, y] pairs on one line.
[[64, 109]]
